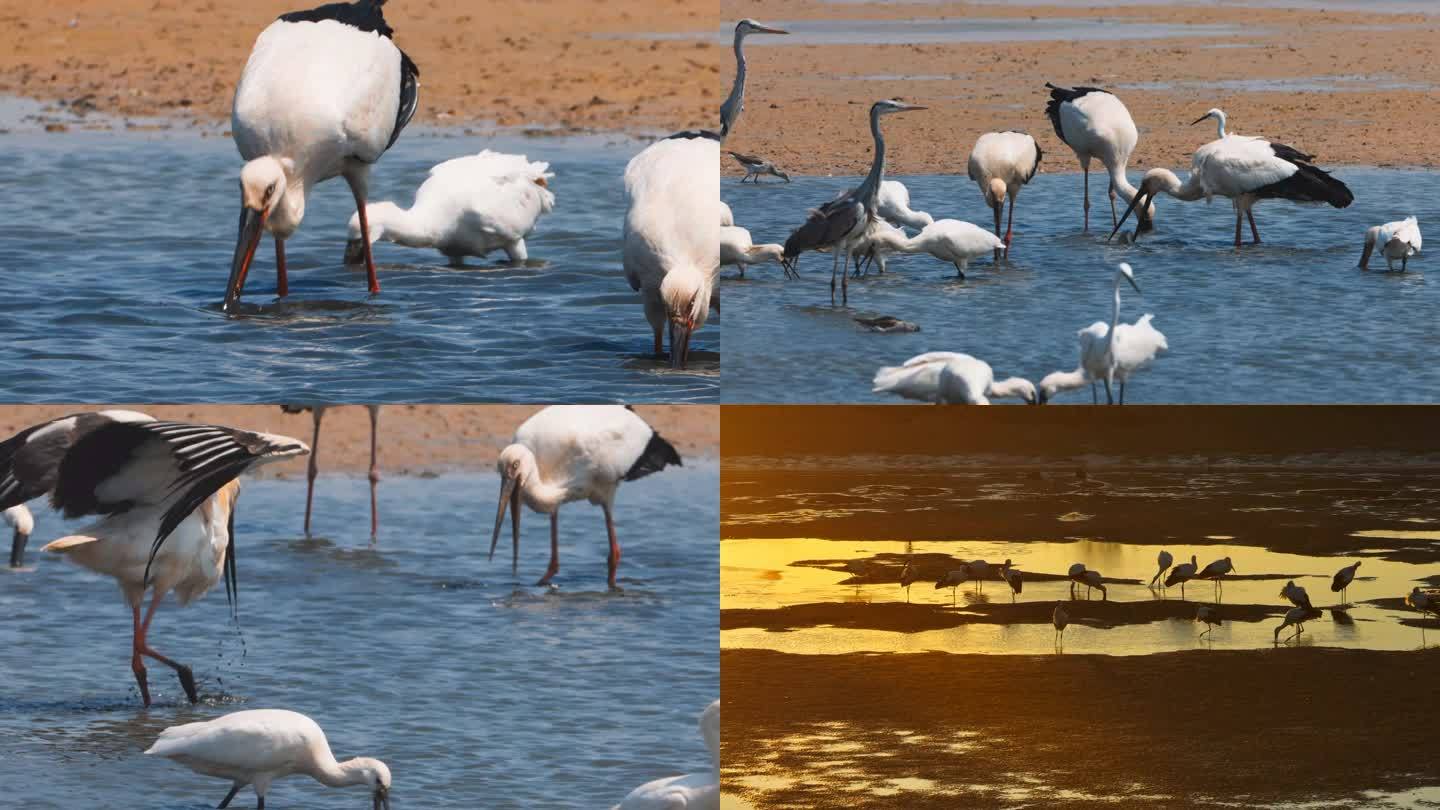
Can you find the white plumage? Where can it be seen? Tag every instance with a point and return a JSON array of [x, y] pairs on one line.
[[1296, 617], [1096, 125], [696, 791], [893, 205], [1181, 574], [736, 248], [258, 746], [671, 252], [1341, 583], [468, 206], [948, 240], [21, 523], [570, 453], [1396, 240], [1115, 351], [1295, 594], [1000, 163], [949, 378]]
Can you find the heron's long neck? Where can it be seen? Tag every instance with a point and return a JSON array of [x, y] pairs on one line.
[[730, 110], [337, 774], [870, 189]]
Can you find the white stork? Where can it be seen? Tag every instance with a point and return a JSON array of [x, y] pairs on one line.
[[22, 523], [1061, 619], [1000, 163], [1013, 577], [1181, 574], [699, 790], [313, 470], [468, 206], [258, 746], [950, 378], [949, 240], [324, 94], [1216, 572], [893, 206], [1341, 583], [1210, 616], [954, 579], [738, 249], [1095, 124], [756, 166], [1245, 169], [1295, 595], [569, 453], [1396, 240], [1296, 617], [165, 493], [1163, 561]]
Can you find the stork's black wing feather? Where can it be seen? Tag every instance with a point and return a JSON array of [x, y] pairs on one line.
[[366, 15], [658, 454], [16, 487], [30, 460], [1309, 183], [409, 96], [1060, 95], [691, 134], [1290, 153]]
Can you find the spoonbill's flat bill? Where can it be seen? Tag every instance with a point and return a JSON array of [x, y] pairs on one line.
[[699, 791], [324, 94], [165, 493], [258, 746], [569, 453], [1000, 163]]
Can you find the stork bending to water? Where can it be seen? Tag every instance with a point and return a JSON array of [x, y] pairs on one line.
[[1095, 124], [1000, 163]]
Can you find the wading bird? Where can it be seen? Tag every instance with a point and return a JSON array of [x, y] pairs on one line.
[[1163, 561], [1423, 602], [1061, 619], [165, 493], [756, 167], [1215, 572], [1000, 163], [840, 223], [1115, 351], [954, 579], [313, 470], [908, 577], [1095, 124], [569, 453], [1295, 595], [737, 249], [468, 206], [1245, 169], [1210, 616], [1181, 574], [1396, 240], [697, 790], [324, 94], [949, 378], [980, 571], [1341, 583], [1080, 575], [948, 240], [258, 746], [1013, 577], [735, 102], [727, 217], [22, 523], [893, 205], [1296, 617]]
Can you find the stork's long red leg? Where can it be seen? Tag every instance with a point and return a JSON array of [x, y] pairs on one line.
[[282, 281], [137, 665], [187, 677], [1009, 227], [365, 237], [1238, 217], [1255, 232], [554, 567], [614, 559], [314, 468], [374, 471]]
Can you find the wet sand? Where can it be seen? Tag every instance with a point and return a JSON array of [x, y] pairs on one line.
[[556, 65], [806, 104], [414, 439], [1254, 727]]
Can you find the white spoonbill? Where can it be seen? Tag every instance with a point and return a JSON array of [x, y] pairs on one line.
[[1095, 124], [258, 746], [1210, 616], [165, 493], [1061, 619], [950, 378], [1000, 163], [948, 240], [840, 223], [1115, 351], [313, 470], [1013, 577], [727, 217], [1216, 572], [1163, 561], [696, 791], [569, 453], [1396, 240], [468, 206], [1341, 583], [22, 524], [893, 205], [738, 249], [756, 166], [1245, 169], [1181, 574], [324, 94], [1296, 617], [1295, 595]]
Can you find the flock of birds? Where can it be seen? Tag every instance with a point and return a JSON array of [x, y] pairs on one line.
[[165, 498], [1168, 574]]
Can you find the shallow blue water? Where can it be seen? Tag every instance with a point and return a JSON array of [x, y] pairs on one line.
[[114, 260], [477, 689], [1290, 321]]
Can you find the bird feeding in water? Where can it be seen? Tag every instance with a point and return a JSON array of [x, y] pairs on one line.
[[950, 378], [948, 240], [1210, 617], [1341, 583], [1095, 124], [756, 167], [1245, 169], [1000, 163], [737, 249], [324, 94], [840, 223], [1296, 617], [1080, 575], [468, 206], [165, 494], [258, 746], [893, 206], [697, 790], [1396, 240], [313, 469], [22, 523], [569, 453], [1163, 561]]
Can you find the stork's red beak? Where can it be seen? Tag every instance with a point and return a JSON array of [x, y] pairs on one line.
[[680, 342], [252, 224]]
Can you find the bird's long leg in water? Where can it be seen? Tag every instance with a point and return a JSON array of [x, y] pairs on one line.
[[313, 469], [834, 268], [613, 561], [1010, 226], [1114, 217], [229, 797], [1254, 232], [142, 647], [1086, 170], [375, 471], [1238, 217], [554, 567]]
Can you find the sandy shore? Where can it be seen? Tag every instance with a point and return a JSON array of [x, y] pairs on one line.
[[414, 439], [556, 64], [1147, 731], [806, 103]]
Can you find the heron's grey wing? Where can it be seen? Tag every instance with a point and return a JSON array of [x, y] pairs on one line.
[[826, 226]]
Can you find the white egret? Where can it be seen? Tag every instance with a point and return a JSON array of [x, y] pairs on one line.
[[1116, 351], [950, 378], [948, 240]]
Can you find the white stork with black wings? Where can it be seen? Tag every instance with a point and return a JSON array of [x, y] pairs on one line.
[[325, 93], [165, 495]]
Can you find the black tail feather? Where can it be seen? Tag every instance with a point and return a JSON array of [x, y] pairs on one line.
[[1309, 184], [658, 454]]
